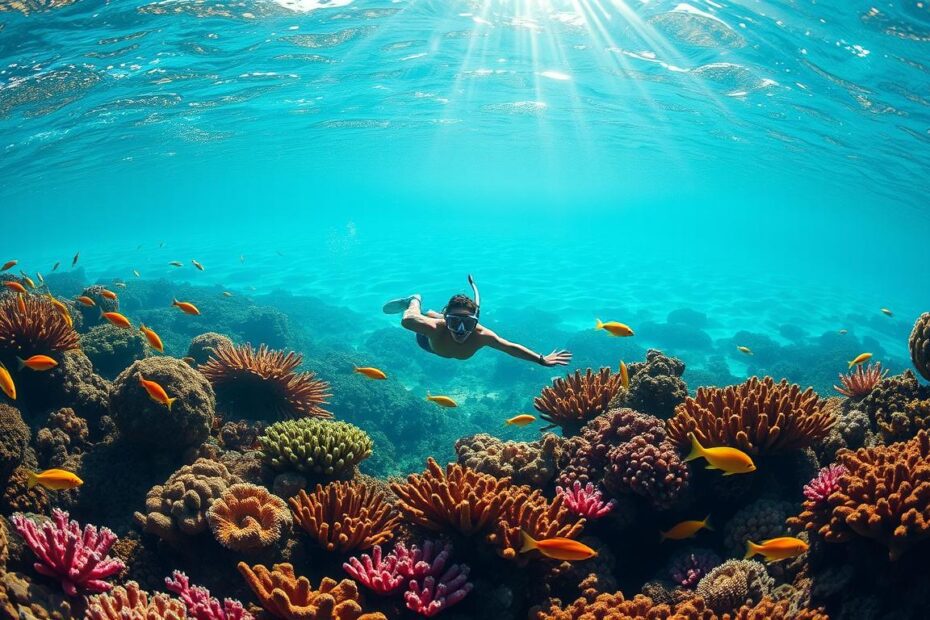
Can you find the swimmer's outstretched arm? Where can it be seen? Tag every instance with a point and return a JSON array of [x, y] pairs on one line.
[[556, 358], [416, 321]]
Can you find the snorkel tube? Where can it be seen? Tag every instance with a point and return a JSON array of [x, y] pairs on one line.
[[474, 288]]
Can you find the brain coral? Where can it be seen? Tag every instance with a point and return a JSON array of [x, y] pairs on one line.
[[884, 495], [531, 463], [345, 516], [130, 602], [14, 439], [919, 344], [147, 423], [656, 386], [758, 417], [179, 507], [314, 446], [111, 349], [203, 346], [733, 584], [529, 511], [247, 518], [571, 401]]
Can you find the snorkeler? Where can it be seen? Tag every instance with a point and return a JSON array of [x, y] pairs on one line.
[[455, 333]]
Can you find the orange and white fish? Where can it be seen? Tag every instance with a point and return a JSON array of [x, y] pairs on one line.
[[624, 376], [85, 300], [729, 460], [564, 549], [186, 307], [862, 358], [520, 420], [442, 401], [776, 549], [153, 339], [38, 363], [16, 287], [614, 328], [54, 480], [370, 372], [9, 265], [197, 265], [157, 393], [21, 303], [685, 529], [108, 294], [117, 319], [6, 383]]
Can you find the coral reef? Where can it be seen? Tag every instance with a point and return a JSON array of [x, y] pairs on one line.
[[530, 512], [18, 497], [74, 384], [758, 417], [733, 584], [887, 405], [40, 330], [27, 600], [531, 463], [186, 424], [130, 602], [861, 380], [571, 401], [4, 545], [14, 440], [919, 345], [345, 516], [112, 349], [247, 518], [313, 446], [656, 386], [615, 606], [200, 605], [204, 345], [64, 434], [256, 383], [78, 559], [759, 520], [241, 435], [585, 501], [688, 567]]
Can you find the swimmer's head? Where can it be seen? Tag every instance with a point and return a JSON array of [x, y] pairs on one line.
[[461, 315]]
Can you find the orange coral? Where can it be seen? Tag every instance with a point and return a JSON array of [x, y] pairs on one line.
[[41, 329], [770, 609], [251, 381], [572, 401], [758, 417], [288, 597], [530, 511], [617, 607], [132, 603], [345, 516], [884, 494], [248, 518], [458, 498]]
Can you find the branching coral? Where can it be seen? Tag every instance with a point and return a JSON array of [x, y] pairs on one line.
[[247, 518], [884, 494], [288, 597], [40, 330], [200, 605], [78, 559], [860, 381], [529, 511], [4, 545], [585, 501], [531, 463], [313, 446], [824, 485], [919, 345], [457, 499], [345, 516], [733, 584], [771, 609], [253, 382], [758, 417], [571, 401], [130, 602]]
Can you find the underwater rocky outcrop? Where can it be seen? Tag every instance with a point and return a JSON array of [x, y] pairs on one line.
[[112, 349]]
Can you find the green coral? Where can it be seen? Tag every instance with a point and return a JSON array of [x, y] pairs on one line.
[[312, 445]]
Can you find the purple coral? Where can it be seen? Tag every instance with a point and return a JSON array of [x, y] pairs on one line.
[[376, 572], [78, 559], [200, 605], [585, 501], [687, 569], [824, 484]]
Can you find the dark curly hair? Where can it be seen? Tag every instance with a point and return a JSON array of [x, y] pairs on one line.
[[461, 302]]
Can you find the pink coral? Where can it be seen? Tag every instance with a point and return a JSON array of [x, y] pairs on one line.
[[200, 605], [861, 381], [78, 559], [824, 484], [586, 501], [376, 572]]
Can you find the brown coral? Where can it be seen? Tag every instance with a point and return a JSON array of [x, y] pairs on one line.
[[18, 497], [458, 498], [571, 401], [288, 597], [247, 518], [4, 545], [40, 330], [130, 602], [528, 511], [758, 417], [919, 344], [887, 406], [771, 609], [345, 516], [251, 382], [884, 495], [532, 463], [615, 606]]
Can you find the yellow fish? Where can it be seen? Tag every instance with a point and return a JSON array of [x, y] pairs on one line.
[[197, 265], [28, 281], [520, 420], [776, 549], [6, 383], [887, 312], [186, 307], [371, 373], [54, 479], [860, 359], [117, 319], [157, 393], [37, 362], [40, 277], [152, 338], [442, 401], [745, 350], [564, 549], [614, 328], [685, 529], [729, 460], [624, 376]]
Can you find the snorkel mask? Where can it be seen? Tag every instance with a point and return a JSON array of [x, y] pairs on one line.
[[461, 326]]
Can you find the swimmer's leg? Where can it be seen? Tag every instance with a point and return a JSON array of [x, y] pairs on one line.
[[396, 306]]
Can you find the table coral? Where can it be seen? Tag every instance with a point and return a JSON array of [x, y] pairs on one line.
[[919, 345], [130, 602], [529, 511], [247, 518], [571, 401], [758, 417], [313, 446], [531, 463]]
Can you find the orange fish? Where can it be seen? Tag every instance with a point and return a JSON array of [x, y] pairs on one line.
[[54, 479], [6, 383], [685, 529], [152, 337], [371, 373], [37, 362], [157, 393], [614, 328], [442, 401], [62, 310], [520, 420], [9, 265], [727, 459], [186, 307], [564, 549], [197, 265], [107, 294], [776, 549], [87, 301], [115, 318], [16, 287], [21, 303]]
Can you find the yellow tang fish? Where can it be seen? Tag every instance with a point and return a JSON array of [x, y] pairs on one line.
[[6, 383], [442, 401], [157, 393], [614, 328], [520, 420], [860, 359], [371, 373], [887, 312], [197, 265], [186, 307], [685, 529], [745, 350], [729, 460], [16, 287], [9, 265], [37, 362], [54, 480], [117, 319], [152, 338], [564, 549], [624, 376], [776, 549]]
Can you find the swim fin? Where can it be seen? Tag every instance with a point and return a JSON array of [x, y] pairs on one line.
[[396, 306]]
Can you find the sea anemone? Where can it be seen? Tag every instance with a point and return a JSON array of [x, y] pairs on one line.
[[571, 401], [861, 381], [254, 382], [40, 330]]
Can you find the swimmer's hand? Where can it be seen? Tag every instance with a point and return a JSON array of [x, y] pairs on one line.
[[559, 357]]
